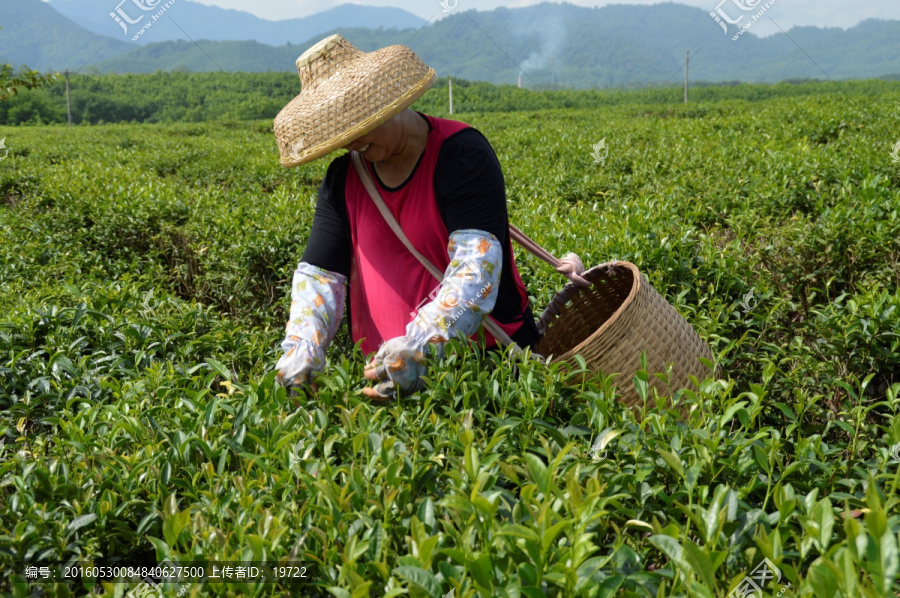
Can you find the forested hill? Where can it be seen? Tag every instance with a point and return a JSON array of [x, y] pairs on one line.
[[553, 45], [38, 36], [565, 45], [204, 21], [246, 56]]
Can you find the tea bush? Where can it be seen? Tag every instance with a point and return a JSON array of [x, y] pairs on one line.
[[144, 281]]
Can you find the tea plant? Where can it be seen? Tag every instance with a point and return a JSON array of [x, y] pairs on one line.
[[144, 276]]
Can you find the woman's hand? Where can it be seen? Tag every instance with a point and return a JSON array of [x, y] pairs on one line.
[[398, 365], [372, 392], [299, 364], [466, 295], [572, 267], [296, 389]]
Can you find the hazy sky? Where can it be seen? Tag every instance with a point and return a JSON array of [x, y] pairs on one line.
[[786, 13]]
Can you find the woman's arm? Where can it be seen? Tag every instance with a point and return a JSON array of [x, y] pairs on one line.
[[318, 290], [471, 197], [317, 302], [466, 296], [471, 194]]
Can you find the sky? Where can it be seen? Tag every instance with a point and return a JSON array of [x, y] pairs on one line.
[[786, 13]]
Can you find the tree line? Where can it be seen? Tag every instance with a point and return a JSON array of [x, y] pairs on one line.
[[164, 97]]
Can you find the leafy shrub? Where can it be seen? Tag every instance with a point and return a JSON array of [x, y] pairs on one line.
[[144, 281]]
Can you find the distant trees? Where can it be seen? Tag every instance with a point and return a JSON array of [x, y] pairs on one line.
[[11, 81], [156, 97], [194, 97]]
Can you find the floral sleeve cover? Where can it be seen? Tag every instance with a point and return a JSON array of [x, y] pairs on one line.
[[317, 303], [456, 308]]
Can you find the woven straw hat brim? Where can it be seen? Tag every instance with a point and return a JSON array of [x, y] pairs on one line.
[[351, 103]]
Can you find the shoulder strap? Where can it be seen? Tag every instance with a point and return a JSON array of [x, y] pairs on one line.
[[369, 184], [491, 326]]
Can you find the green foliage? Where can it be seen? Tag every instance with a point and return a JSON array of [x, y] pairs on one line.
[[144, 281], [197, 97], [11, 82], [160, 97]]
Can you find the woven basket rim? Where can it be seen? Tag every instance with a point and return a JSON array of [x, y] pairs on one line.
[[635, 289]]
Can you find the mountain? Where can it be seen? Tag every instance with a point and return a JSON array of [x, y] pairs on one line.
[[633, 45], [567, 45], [200, 21], [247, 56], [205, 55], [550, 45], [35, 34]]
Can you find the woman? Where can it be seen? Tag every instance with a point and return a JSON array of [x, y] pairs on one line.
[[440, 180]]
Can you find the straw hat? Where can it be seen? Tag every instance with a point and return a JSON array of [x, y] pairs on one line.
[[345, 94]]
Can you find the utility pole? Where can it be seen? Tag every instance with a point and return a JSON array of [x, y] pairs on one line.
[[450, 85], [687, 60], [68, 102]]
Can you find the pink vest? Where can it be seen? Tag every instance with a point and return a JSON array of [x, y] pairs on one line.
[[387, 282]]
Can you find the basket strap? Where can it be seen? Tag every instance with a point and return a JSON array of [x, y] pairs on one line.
[[369, 184], [491, 326], [570, 266], [532, 246]]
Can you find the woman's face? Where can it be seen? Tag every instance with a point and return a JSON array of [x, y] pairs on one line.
[[380, 144]]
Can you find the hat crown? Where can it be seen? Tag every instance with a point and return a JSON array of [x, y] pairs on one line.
[[324, 59], [346, 93]]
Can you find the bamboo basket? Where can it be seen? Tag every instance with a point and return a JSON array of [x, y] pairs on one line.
[[615, 319]]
